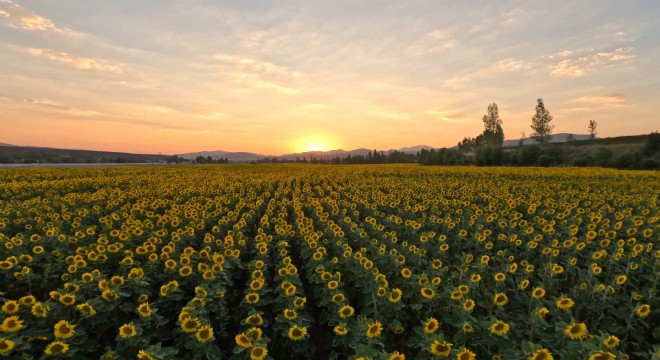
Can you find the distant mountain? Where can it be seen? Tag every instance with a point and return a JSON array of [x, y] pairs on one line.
[[325, 155], [415, 149], [5, 144], [231, 156], [554, 138]]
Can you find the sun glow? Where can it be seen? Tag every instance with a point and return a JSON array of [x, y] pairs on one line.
[[314, 142]]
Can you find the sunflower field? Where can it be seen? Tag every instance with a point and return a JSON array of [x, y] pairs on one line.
[[329, 262]]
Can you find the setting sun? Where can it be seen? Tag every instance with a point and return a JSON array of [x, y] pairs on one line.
[[314, 142]]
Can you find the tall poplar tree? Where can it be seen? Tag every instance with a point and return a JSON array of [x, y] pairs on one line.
[[493, 133], [541, 123]]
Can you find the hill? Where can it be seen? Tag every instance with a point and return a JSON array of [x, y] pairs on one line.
[[554, 138], [28, 155]]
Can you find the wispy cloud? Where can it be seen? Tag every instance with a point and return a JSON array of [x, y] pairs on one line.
[[261, 74], [432, 42], [609, 100], [447, 115], [582, 65], [78, 61], [24, 19]]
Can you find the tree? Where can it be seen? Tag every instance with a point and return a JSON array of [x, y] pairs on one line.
[[522, 140], [541, 123], [493, 133], [592, 129]]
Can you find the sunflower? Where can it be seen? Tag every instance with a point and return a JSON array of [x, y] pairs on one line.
[[254, 320], [541, 354], [297, 333], [243, 341], [500, 299], [374, 329], [427, 293], [456, 295], [333, 284], [621, 279], [576, 331], [397, 356], [475, 278], [395, 295], [538, 293], [346, 311], [499, 277], [252, 298], [189, 324], [254, 333], [185, 271], [10, 307], [204, 334], [40, 310], [299, 302], [144, 310], [86, 309], [643, 310], [468, 305], [340, 330], [431, 325], [6, 345], [441, 349], [499, 328], [602, 355], [542, 312], [565, 303], [338, 298], [258, 353], [465, 354], [56, 348], [127, 330], [523, 284], [64, 329], [611, 342], [467, 328], [67, 299], [256, 285], [406, 273]]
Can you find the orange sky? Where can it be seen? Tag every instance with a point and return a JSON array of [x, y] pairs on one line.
[[273, 78]]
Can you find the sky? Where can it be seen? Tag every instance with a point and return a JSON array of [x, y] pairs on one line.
[[276, 77]]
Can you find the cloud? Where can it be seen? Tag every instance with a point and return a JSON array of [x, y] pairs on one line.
[[78, 61], [25, 20], [609, 100], [261, 74], [582, 65], [434, 41], [447, 115], [568, 68], [512, 65], [36, 22]]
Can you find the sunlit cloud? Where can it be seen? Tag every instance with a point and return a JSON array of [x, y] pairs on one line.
[[78, 61], [432, 42], [610, 100], [581, 66], [448, 115], [4, 13], [36, 22], [261, 74]]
